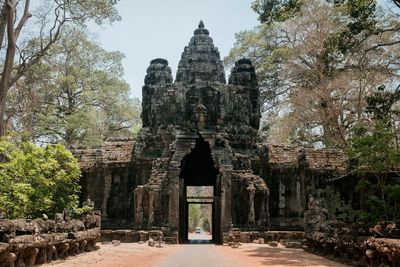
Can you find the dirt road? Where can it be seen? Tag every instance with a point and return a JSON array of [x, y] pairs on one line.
[[194, 255], [197, 255], [254, 255], [123, 255]]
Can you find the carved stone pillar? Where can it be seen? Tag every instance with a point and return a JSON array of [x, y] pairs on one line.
[[150, 221], [158, 206], [107, 190], [173, 214], [252, 191], [263, 214], [226, 196], [138, 194], [201, 112], [266, 201]]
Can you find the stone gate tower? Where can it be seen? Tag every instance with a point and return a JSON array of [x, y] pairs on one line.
[[201, 131], [196, 131]]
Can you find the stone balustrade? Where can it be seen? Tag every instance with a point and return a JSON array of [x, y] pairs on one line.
[[26, 242]]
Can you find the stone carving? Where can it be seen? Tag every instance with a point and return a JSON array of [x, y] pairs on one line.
[[29, 242], [201, 116], [158, 72], [139, 204], [350, 242], [315, 215], [244, 74], [252, 190], [200, 60], [200, 130], [196, 121], [151, 208]]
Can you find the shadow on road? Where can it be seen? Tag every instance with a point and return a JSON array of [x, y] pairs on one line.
[[288, 257], [199, 241]]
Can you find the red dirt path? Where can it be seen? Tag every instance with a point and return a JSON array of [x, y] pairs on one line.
[[141, 255], [123, 255]]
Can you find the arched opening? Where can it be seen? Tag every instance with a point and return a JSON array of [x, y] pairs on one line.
[[198, 172]]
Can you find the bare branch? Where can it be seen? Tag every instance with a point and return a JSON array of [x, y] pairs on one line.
[[54, 36], [25, 16], [382, 45]]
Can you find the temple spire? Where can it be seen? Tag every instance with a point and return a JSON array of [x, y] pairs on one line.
[[201, 29], [201, 25], [200, 60]]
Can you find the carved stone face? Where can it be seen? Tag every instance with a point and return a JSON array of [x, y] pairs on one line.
[[200, 99]]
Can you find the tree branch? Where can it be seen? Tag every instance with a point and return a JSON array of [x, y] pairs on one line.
[[382, 45], [25, 16]]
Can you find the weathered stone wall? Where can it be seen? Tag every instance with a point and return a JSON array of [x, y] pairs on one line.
[[291, 173], [108, 176], [294, 173], [26, 242], [356, 244], [141, 184]]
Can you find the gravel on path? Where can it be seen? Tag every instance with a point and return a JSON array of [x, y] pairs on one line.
[[194, 255]]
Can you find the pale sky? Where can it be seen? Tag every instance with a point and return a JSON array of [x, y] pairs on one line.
[[162, 28]]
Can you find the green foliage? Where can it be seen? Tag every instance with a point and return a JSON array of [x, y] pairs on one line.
[[200, 216], [275, 10], [377, 207], [375, 149], [194, 216], [78, 211], [266, 49], [358, 15], [393, 192], [361, 24], [97, 10], [79, 12], [76, 96], [375, 152], [316, 66], [380, 104], [206, 225], [27, 46], [36, 180]]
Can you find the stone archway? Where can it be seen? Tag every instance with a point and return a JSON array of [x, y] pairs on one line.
[[198, 169]]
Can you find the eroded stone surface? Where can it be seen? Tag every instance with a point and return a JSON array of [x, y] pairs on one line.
[[200, 60], [352, 243], [199, 130], [25, 242]]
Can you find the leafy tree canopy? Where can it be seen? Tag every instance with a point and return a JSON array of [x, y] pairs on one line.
[[374, 150], [316, 67], [75, 96], [46, 20], [275, 10], [36, 180]]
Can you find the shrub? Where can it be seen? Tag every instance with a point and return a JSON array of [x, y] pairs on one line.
[[36, 180]]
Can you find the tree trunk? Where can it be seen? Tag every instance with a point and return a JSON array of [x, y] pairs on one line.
[[8, 63], [3, 23], [12, 36]]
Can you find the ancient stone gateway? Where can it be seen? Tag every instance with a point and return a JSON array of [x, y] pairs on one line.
[[197, 169], [190, 128], [200, 130]]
